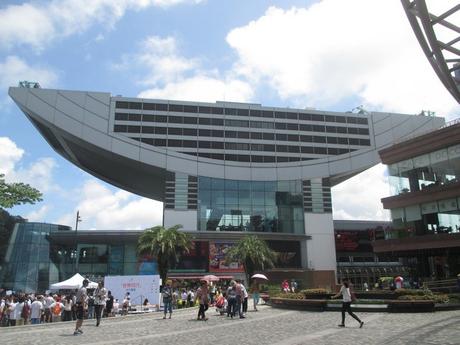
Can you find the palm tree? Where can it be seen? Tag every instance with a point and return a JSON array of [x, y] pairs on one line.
[[253, 253], [166, 245]]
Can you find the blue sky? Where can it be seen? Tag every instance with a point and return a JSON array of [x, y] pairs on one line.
[[331, 55]]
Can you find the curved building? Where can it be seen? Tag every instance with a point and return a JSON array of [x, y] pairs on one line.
[[222, 169]]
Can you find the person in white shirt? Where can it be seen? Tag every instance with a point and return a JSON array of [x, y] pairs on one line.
[[36, 310], [116, 307], [345, 292], [11, 312], [68, 304], [18, 312], [47, 303], [100, 297]]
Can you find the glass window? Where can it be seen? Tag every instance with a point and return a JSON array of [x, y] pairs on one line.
[[292, 116], [243, 112], [243, 135], [256, 113], [174, 131], [122, 105], [161, 118], [176, 107], [120, 128], [231, 111], [205, 110], [217, 122], [190, 109], [304, 117], [230, 134], [121, 117], [190, 131], [317, 117], [256, 135], [135, 117], [176, 119], [148, 106], [280, 125], [204, 121], [204, 132], [268, 136], [217, 133], [148, 118], [148, 129], [219, 111], [160, 130]]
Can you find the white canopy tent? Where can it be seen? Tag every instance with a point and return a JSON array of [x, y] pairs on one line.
[[74, 282]]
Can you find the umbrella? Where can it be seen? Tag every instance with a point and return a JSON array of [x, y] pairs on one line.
[[259, 276], [210, 278]]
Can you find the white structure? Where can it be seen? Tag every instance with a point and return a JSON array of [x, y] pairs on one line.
[[222, 169]]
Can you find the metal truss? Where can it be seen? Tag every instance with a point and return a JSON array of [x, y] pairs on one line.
[[444, 57]]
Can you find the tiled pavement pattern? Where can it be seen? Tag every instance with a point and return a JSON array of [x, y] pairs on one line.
[[268, 326]]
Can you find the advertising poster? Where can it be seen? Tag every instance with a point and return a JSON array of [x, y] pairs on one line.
[[217, 252], [139, 288]]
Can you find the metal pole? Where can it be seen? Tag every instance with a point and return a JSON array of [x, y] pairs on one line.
[[77, 220]]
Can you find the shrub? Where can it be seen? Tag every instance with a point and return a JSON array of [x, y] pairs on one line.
[[454, 297], [437, 298], [412, 292]]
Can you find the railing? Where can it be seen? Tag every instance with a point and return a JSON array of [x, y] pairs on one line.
[[29, 84], [447, 285]]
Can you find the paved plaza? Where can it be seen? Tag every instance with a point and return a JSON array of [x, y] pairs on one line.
[[268, 326]]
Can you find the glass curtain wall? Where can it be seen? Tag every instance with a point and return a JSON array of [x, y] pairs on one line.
[[260, 206], [433, 169], [27, 260]]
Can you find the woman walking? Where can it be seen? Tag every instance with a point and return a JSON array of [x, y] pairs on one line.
[[202, 295], [345, 292]]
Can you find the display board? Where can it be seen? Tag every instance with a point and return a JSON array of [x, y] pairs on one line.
[[139, 288]]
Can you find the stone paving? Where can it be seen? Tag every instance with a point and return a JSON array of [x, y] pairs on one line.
[[268, 326]]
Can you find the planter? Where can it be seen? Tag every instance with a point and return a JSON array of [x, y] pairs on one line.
[[376, 295], [317, 296], [299, 304], [396, 306]]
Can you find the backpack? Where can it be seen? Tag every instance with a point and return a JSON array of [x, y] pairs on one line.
[[57, 309], [25, 313]]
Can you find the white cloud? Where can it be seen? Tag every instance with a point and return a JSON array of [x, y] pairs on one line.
[[168, 74], [37, 24], [10, 154], [351, 200], [202, 88], [103, 209], [337, 49], [13, 69], [39, 173], [38, 215]]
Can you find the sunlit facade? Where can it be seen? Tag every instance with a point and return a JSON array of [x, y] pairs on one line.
[[222, 169]]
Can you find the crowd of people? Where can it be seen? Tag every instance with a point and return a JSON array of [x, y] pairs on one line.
[[23, 309], [230, 299]]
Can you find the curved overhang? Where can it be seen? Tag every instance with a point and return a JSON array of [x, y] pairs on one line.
[[79, 126]]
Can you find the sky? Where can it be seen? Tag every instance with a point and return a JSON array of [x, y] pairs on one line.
[[331, 55]]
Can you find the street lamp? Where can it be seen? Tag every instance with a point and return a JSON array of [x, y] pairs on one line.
[[77, 220]]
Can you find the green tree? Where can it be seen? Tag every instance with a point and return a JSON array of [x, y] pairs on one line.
[[253, 253], [166, 245], [12, 194]]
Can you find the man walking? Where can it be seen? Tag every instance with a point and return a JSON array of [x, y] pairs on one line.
[[81, 306]]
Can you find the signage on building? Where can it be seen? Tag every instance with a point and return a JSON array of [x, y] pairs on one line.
[[139, 288], [217, 263]]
